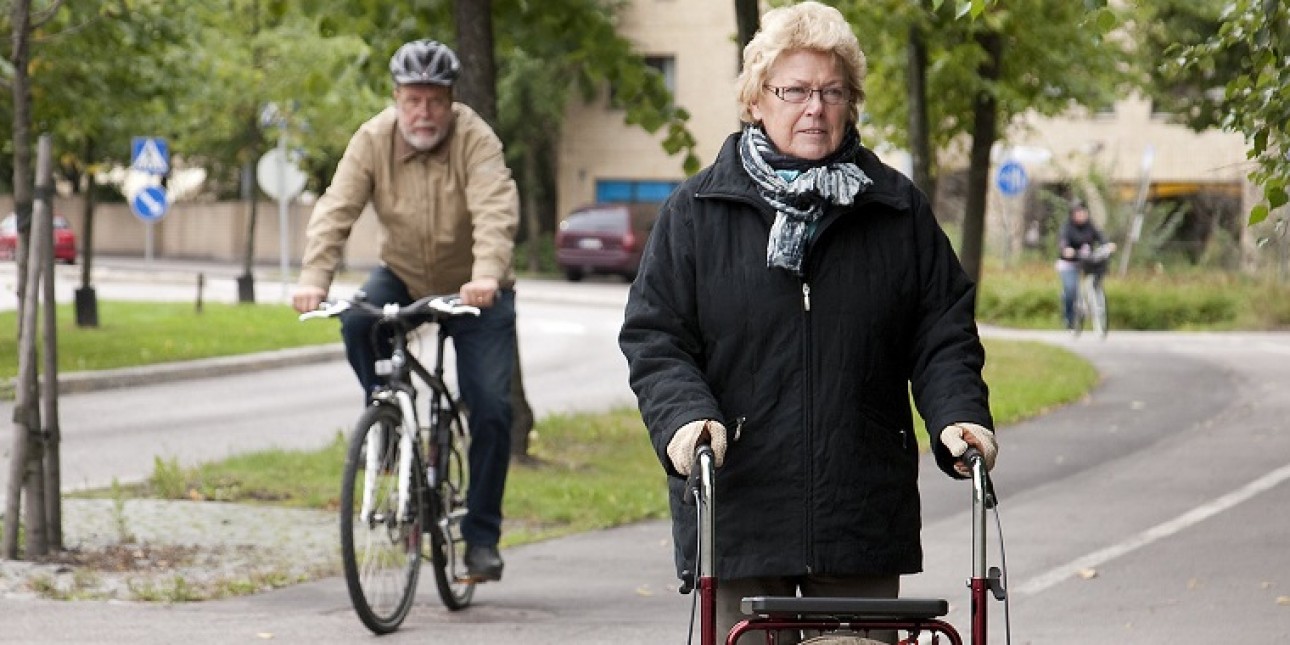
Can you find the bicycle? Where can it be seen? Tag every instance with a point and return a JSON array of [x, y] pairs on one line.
[[404, 477], [918, 618], [1090, 298]]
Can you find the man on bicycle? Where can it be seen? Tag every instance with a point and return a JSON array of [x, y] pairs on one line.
[[1075, 240], [434, 173]]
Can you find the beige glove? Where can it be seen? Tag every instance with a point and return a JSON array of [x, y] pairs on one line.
[[681, 449], [958, 436]]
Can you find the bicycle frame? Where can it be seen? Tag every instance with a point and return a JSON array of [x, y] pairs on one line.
[[911, 615], [400, 390]]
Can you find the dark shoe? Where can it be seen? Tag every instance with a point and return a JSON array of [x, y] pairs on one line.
[[483, 563]]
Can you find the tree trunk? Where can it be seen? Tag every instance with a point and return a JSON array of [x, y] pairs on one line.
[[246, 281], [747, 20], [920, 148], [51, 491], [20, 19], [532, 219], [27, 402], [87, 305], [477, 86], [985, 130]]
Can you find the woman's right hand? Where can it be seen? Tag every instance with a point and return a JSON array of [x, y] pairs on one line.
[[681, 448]]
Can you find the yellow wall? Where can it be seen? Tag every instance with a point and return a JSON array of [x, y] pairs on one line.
[[700, 34]]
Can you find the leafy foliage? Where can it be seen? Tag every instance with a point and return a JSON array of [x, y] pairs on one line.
[[1252, 44], [202, 73], [1056, 54]]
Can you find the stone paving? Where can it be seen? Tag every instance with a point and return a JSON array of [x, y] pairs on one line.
[[152, 549]]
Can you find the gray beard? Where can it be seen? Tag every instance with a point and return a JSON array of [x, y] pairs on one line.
[[423, 144]]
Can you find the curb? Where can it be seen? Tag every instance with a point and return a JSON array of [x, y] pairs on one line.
[[80, 382]]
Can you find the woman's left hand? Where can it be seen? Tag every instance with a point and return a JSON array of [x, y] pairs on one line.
[[957, 437]]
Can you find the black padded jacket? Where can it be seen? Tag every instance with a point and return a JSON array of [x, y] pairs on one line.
[[812, 376]]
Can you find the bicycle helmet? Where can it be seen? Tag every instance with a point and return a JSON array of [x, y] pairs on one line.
[[424, 62]]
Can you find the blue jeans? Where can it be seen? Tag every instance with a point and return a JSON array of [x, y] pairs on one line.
[[1070, 283], [485, 348]]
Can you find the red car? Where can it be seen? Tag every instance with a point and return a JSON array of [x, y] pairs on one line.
[[64, 239], [604, 238]]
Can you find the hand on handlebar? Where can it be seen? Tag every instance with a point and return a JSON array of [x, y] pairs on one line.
[[480, 293], [959, 436], [681, 448], [306, 298]]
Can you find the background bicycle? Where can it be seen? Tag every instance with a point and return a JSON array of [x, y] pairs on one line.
[[406, 473], [1090, 299]]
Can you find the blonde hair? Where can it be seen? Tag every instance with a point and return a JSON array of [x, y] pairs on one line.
[[808, 25]]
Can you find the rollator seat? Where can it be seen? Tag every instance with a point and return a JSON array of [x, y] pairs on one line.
[[845, 608]]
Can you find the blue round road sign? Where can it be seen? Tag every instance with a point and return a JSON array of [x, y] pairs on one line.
[[1011, 179], [150, 203]]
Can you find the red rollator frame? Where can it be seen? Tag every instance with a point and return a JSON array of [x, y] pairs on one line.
[[913, 616]]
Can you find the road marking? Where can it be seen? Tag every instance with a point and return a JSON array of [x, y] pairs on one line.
[[1195, 516], [559, 327]]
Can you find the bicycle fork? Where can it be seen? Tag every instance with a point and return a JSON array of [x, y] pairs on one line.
[[376, 450]]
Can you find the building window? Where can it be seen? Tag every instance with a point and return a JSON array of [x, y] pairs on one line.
[[630, 190], [666, 67]]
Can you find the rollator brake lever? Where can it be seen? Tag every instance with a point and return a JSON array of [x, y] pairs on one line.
[[995, 582]]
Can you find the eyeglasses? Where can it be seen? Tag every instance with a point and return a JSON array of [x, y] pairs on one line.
[[798, 94]]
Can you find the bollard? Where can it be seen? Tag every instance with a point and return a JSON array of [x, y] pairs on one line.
[[201, 282]]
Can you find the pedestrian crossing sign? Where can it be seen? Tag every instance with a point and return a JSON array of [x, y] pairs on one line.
[[150, 155]]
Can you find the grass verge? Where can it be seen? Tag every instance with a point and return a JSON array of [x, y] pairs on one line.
[[132, 333], [589, 470]]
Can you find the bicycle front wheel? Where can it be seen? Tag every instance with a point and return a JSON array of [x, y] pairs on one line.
[[1080, 313], [450, 451], [1097, 309], [380, 538]]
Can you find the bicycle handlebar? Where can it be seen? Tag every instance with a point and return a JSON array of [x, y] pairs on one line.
[[437, 306]]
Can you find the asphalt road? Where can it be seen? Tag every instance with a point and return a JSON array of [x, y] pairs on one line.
[[1154, 511]]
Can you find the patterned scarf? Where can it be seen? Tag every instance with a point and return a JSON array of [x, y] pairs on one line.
[[801, 200]]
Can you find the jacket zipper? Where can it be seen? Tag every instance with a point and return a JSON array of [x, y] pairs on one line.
[[809, 524]]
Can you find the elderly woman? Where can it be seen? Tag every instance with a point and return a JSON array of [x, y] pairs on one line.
[[791, 296]]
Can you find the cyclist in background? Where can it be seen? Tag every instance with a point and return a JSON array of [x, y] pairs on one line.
[[1076, 238], [434, 173]]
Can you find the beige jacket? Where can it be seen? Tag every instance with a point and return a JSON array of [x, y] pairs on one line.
[[447, 216]]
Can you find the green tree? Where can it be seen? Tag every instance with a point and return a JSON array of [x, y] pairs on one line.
[[1041, 56], [574, 42], [1247, 56]]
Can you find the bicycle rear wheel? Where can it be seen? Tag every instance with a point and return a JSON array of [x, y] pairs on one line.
[[380, 543], [450, 450]]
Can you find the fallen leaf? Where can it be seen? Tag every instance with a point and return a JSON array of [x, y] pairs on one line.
[[1193, 583], [265, 636], [1284, 601], [1087, 574], [644, 590]]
